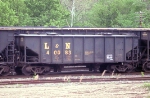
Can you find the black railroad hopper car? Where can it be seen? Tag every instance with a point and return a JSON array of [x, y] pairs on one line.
[[115, 49], [42, 52]]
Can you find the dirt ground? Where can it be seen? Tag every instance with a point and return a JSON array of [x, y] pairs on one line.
[[76, 90]]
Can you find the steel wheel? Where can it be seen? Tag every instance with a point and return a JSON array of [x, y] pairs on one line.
[[26, 70], [46, 70], [146, 67], [129, 68], [4, 70]]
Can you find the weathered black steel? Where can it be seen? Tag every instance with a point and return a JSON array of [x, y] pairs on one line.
[[59, 49], [7, 52], [122, 48], [78, 31]]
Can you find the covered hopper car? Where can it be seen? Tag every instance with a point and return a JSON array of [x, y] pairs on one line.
[[42, 50]]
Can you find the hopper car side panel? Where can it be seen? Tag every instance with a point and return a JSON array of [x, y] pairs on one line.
[[81, 49]]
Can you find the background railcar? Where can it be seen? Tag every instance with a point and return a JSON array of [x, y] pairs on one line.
[[7, 49]]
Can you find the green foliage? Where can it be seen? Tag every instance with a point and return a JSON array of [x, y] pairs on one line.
[[142, 73], [146, 18], [86, 13], [7, 16], [46, 13], [32, 13], [116, 13], [78, 16]]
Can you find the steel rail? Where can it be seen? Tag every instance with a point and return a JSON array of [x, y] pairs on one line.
[[40, 81]]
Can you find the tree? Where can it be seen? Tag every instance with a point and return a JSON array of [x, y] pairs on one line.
[[21, 11], [47, 12], [7, 16], [78, 11], [146, 14], [116, 13]]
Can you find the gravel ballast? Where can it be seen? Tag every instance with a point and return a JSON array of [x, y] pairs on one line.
[[76, 90]]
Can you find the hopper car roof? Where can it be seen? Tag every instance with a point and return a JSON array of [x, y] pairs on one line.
[[42, 35], [51, 28]]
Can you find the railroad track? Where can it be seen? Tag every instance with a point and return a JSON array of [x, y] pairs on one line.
[[80, 73], [65, 80]]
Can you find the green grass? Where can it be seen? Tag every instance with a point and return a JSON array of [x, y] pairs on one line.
[[147, 85], [142, 73]]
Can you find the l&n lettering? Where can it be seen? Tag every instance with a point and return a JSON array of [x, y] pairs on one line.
[[46, 46], [67, 45]]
